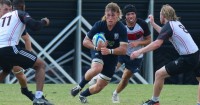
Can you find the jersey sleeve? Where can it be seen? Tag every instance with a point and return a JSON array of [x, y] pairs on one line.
[[94, 30], [30, 22], [123, 33], [166, 32], [145, 28], [24, 33]]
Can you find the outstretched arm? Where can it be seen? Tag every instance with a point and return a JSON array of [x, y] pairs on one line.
[[152, 46], [155, 26], [32, 23]]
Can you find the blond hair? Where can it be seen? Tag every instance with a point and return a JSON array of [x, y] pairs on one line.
[[169, 13], [114, 8]]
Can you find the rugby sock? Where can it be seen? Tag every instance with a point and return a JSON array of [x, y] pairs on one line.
[[155, 99], [115, 92], [25, 89], [83, 82], [27, 93], [38, 94], [198, 103], [86, 93]]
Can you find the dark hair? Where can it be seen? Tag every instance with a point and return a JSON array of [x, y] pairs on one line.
[[18, 4], [128, 8], [7, 2]]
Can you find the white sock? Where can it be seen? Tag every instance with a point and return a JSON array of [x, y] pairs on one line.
[[198, 103], [78, 86], [155, 99], [38, 94], [115, 92]]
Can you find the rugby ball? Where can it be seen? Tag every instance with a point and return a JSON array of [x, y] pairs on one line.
[[98, 38]]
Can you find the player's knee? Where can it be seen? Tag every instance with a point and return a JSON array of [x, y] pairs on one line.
[[42, 64], [96, 68], [126, 77], [159, 74], [18, 71], [39, 64]]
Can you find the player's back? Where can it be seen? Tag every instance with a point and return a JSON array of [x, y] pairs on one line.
[[181, 39], [11, 29]]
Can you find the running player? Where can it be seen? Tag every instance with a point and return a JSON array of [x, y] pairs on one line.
[[138, 36], [177, 34], [6, 6], [12, 26], [104, 56]]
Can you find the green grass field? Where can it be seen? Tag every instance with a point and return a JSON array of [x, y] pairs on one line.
[[134, 94]]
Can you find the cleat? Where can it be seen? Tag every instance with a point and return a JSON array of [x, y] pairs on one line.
[[41, 101], [115, 98], [151, 102], [28, 94], [75, 90], [83, 99]]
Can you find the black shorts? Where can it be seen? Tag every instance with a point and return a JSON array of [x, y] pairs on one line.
[[110, 62], [15, 56], [183, 64], [132, 65]]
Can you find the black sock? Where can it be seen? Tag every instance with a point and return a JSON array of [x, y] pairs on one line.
[[27, 93], [86, 93], [24, 89], [83, 82]]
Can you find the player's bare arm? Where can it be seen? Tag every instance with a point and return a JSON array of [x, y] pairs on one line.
[[155, 26], [27, 41], [152, 46], [87, 42], [144, 42]]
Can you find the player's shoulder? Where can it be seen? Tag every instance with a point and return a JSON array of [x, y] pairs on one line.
[[141, 21], [120, 25], [120, 22], [20, 12], [123, 21], [100, 23]]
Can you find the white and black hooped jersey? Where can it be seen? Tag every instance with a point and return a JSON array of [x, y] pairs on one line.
[[138, 32], [179, 37]]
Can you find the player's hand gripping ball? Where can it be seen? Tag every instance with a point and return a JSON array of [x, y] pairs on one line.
[[99, 40]]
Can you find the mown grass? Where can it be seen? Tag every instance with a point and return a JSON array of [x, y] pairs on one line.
[[134, 94]]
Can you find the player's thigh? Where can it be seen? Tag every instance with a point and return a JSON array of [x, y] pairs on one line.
[[110, 63], [102, 83], [39, 64], [161, 73], [24, 58]]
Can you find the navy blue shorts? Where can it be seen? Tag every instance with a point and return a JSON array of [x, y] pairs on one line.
[[110, 62], [132, 65]]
